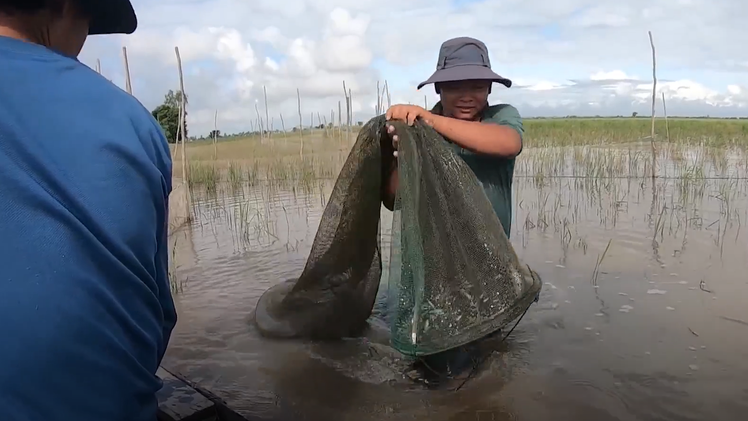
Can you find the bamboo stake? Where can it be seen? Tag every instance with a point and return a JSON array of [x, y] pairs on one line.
[[350, 112], [182, 113], [301, 125], [654, 97], [259, 123], [267, 113], [387, 90], [283, 125], [128, 83], [664, 110], [378, 111], [340, 121], [215, 135]]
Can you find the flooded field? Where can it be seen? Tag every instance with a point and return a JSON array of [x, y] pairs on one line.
[[642, 316]]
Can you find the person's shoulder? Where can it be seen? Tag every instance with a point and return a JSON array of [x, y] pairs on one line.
[[103, 106], [130, 111], [106, 90], [502, 111], [505, 115]]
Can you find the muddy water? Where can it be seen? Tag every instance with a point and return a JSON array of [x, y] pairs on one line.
[[659, 331]]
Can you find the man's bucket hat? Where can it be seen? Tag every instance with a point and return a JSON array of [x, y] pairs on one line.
[[464, 58], [110, 16]]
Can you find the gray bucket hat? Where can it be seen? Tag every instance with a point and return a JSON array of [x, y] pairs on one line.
[[464, 58]]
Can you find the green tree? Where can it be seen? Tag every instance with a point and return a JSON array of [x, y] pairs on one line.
[[167, 115]]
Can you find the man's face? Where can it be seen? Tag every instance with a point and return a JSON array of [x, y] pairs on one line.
[[466, 99]]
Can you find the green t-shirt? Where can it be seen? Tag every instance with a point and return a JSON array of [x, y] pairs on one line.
[[495, 174]]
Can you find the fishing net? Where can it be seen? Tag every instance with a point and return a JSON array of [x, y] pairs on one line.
[[453, 274], [335, 293]]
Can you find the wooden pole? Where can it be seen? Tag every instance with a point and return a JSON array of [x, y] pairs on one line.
[[340, 120], [350, 112], [267, 113], [347, 110], [128, 83], [664, 110], [182, 114], [215, 135], [378, 111], [301, 125], [259, 123], [654, 97], [387, 90], [283, 125]]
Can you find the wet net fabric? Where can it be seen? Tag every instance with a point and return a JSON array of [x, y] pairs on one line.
[[335, 294], [453, 274]]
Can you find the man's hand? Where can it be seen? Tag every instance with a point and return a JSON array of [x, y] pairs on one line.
[[407, 114], [394, 138]]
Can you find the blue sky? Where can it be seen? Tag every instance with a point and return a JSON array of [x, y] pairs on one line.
[[569, 57]]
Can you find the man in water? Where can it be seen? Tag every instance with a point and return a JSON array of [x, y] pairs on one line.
[[85, 177], [487, 137]]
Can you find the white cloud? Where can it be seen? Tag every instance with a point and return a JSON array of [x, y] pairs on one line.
[[567, 57]]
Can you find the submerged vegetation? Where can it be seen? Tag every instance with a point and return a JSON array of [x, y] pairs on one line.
[[573, 177]]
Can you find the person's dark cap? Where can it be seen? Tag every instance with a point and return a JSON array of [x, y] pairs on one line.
[[110, 16], [464, 58]]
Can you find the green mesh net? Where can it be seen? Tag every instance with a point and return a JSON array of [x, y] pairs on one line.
[[453, 274], [454, 277]]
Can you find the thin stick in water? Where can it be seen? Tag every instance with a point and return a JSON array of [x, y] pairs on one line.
[[182, 114], [654, 98], [664, 110], [301, 125], [215, 135], [267, 113]]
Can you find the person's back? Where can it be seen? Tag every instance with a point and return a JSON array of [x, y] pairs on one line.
[[85, 174]]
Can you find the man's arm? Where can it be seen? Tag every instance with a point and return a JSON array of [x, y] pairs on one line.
[[499, 135], [163, 162]]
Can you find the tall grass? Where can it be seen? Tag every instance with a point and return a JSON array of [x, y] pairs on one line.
[[593, 148], [606, 131]]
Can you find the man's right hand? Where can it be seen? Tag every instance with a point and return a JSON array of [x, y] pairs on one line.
[[395, 139], [390, 173]]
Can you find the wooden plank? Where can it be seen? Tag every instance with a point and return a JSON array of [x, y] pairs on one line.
[[178, 401]]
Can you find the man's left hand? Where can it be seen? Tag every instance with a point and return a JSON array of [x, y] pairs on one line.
[[409, 114]]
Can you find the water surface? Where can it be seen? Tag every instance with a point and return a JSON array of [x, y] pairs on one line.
[[659, 331]]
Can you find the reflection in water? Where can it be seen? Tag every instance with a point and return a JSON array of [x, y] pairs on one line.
[[642, 316]]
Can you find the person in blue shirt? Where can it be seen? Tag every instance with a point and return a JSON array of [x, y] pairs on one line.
[[85, 177]]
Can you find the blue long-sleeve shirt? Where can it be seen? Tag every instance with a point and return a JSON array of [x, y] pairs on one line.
[[85, 306]]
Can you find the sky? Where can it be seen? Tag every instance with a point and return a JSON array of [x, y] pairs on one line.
[[566, 57]]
